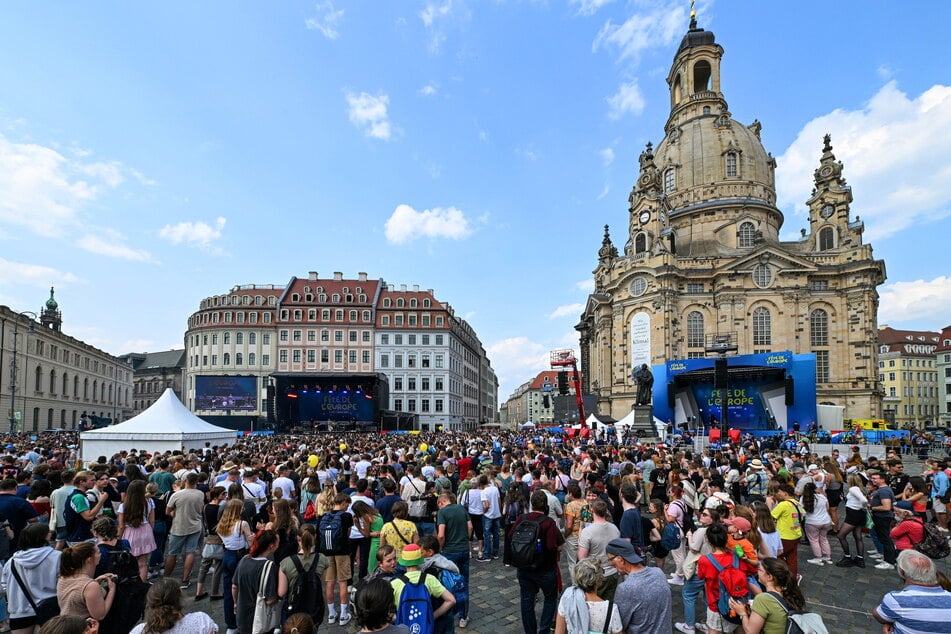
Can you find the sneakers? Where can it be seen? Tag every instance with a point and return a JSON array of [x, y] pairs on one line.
[[482, 559], [875, 555], [676, 580], [234, 631], [884, 565], [828, 560], [463, 622], [845, 562], [185, 584], [683, 627], [872, 553], [818, 561], [331, 618], [859, 562], [344, 619]]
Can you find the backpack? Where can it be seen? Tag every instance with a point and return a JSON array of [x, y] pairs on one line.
[[933, 543], [800, 622], [455, 583], [128, 606], [122, 563], [732, 583], [310, 511], [689, 523], [415, 609], [331, 538], [671, 536], [525, 543], [307, 595]]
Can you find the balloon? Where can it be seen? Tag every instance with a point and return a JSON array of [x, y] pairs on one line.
[[423, 447], [312, 460], [343, 446]]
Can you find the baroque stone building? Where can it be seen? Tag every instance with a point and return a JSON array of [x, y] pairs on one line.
[[704, 264]]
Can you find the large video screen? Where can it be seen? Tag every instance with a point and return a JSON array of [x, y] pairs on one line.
[[338, 406], [226, 393]]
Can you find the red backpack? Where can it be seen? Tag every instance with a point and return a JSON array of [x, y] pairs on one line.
[[732, 583]]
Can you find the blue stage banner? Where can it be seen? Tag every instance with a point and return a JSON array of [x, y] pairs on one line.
[[767, 360], [342, 406]]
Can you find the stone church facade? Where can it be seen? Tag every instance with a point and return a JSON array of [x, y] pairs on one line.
[[704, 264]]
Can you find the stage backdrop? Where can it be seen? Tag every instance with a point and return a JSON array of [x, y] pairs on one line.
[[334, 405], [756, 396]]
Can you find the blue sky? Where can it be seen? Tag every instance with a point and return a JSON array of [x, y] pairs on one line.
[[151, 156]]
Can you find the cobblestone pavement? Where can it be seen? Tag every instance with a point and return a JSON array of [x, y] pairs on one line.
[[844, 597]]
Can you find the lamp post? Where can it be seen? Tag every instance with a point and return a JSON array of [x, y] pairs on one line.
[[13, 369]]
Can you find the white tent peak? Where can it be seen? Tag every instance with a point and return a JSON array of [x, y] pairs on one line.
[[166, 425]]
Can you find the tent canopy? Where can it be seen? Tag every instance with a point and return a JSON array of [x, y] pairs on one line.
[[166, 425]]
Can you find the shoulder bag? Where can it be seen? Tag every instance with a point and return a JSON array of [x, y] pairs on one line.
[[45, 609], [267, 616]]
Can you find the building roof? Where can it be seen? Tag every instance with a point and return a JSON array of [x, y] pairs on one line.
[[921, 343], [548, 376], [152, 360]]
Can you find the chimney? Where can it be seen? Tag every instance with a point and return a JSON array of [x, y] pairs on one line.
[[338, 276], [415, 288], [362, 277], [403, 288], [312, 276]]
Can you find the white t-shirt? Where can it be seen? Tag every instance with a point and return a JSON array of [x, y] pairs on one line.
[[472, 498], [191, 623], [597, 613], [490, 494], [286, 485]]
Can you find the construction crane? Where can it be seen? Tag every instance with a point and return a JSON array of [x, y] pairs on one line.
[[564, 359]]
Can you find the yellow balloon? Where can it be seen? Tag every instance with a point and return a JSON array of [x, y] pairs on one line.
[[423, 447], [343, 446], [312, 460]]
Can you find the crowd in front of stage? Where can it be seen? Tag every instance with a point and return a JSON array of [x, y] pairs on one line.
[[294, 531]]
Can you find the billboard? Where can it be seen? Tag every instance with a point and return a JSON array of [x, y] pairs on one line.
[[346, 405], [219, 393]]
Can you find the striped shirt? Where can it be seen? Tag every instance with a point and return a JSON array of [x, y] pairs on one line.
[[918, 610]]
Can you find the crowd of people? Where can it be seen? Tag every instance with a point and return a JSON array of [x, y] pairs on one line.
[[295, 531]]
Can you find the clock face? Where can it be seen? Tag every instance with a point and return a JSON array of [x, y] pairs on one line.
[[827, 211], [645, 216]]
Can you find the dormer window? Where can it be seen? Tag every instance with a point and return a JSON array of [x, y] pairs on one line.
[[731, 171], [746, 235], [826, 239], [670, 180]]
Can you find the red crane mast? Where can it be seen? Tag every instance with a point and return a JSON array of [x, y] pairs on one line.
[[566, 358]]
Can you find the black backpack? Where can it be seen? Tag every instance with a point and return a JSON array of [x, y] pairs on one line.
[[129, 604], [307, 595], [331, 539], [526, 543]]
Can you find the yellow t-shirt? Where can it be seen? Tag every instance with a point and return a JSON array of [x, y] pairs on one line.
[[788, 516]]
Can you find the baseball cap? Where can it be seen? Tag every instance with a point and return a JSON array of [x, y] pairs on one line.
[[622, 548]]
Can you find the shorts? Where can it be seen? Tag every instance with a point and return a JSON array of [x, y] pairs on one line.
[[856, 517], [938, 506], [477, 529], [23, 622], [61, 533], [338, 568], [178, 544], [717, 622]]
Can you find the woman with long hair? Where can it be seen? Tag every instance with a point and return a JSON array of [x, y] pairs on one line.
[[768, 612], [284, 523], [325, 501], [856, 514], [165, 612], [834, 485], [136, 517], [372, 518], [248, 579], [818, 521], [212, 512], [766, 527], [235, 536], [310, 489], [39, 498], [78, 591]]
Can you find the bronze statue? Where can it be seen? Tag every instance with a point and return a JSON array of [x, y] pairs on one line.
[[645, 384]]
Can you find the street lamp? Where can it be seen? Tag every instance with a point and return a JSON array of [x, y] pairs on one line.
[[13, 363]]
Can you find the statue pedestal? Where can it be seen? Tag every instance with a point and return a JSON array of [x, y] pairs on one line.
[[644, 420]]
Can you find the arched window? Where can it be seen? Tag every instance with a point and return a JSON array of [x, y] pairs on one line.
[[670, 180], [102, 392], [66, 385], [762, 327], [38, 382], [701, 76], [640, 243], [237, 358], [76, 387], [695, 330], [95, 390], [251, 358], [52, 381], [678, 90], [49, 418], [227, 359], [731, 165], [826, 238], [110, 394], [746, 235], [819, 338]]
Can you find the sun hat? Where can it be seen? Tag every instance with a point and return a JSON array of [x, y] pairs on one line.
[[411, 556], [756, 464]]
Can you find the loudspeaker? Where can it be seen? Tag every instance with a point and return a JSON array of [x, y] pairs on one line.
[[271, 392], [720, 374], [670, 395], [790, 393], [562, 382]]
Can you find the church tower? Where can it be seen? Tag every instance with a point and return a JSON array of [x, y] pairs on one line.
[[704, 261], [50, 316]]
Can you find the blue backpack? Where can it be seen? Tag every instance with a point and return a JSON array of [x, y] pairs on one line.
[[455, 583], [670, 538], [415, 609]]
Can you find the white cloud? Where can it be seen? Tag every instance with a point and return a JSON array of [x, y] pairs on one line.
[[657, 27], [607, 156], [12, 273], [369, 113], [604, 191], [326, 21], [527, 152], [406, 224], [921, 301], [627, 99], [195, 234], [432, 12], [589, 7], [516, 360], [110, 244], [428, 90], [139, 345], [586, 285], [896, 155], [566, 310]]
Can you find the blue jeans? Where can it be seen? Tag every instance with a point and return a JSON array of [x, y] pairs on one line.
[[228, 565], [490, 536], [160, 532], [446, 624], [462, 562], [529, 583], [425, 528], [692, 589]]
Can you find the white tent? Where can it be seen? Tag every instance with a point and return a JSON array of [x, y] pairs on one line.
[[166, 425], [660, 428]]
